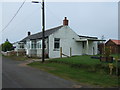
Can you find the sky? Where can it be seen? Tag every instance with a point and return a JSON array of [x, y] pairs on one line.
[[85, 18], [0, 22]]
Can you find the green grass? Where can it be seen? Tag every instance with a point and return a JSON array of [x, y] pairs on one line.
[[85, 59], [82, 69], [79, 60]]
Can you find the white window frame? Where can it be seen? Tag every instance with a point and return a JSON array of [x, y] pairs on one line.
[[33, 44], [39, 44]]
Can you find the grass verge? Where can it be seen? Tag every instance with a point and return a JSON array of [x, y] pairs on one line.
[[85, 72]]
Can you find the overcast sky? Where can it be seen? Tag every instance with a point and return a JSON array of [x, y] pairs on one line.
[[85, 18]]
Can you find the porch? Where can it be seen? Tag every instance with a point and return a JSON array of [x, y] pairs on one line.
[[89, 46]]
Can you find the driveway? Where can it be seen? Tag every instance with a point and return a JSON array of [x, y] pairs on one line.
[[15, 74]]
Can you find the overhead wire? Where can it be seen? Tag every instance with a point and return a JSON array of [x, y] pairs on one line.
[[14, 15]]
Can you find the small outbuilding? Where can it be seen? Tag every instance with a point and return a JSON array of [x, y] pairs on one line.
[[114, 46]]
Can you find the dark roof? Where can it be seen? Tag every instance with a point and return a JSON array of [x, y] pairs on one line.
[[87, 37], [39, 35]]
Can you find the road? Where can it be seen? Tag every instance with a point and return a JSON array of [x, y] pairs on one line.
[[17, 75]]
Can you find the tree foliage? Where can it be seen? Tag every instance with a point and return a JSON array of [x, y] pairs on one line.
[[107, 51], [7, 46]]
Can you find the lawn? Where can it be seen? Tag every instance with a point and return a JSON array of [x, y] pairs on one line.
[[82, 69]]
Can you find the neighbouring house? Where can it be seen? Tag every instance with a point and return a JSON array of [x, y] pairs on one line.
[[19, 48], [61, 36], [114, 46]]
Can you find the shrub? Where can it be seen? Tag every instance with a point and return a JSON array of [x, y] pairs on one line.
[[7, 46]]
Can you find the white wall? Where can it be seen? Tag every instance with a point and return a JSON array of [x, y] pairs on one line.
[[17, 47], [67, 39], [91, 45], [27, 47]]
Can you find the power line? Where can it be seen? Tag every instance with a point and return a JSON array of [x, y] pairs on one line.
[[14, 16]]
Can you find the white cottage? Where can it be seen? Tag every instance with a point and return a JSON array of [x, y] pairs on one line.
[[61, 36]]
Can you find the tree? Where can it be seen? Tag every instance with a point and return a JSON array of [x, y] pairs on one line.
[[7, 46], [107, 51]]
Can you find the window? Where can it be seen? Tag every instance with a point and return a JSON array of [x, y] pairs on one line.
[[39, 44], [56, 43], [21, 45], [33, 45]]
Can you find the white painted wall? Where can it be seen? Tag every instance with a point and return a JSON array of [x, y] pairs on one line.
[[91, 45], [17, 47], [27, 47], [67, 39]]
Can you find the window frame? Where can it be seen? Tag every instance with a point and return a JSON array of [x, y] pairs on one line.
[[33, 44], [56, 41]]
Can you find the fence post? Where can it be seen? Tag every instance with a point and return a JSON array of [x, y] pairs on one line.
[[17, 53], [60, 52], [116, 59], [111, 68], [70, 51]]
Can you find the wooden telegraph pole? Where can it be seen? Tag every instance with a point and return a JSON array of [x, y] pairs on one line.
[[43, 31]]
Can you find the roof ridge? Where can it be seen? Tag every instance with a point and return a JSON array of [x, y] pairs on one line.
[[38, 35], [47, 30], [54, 28], [87, 36]]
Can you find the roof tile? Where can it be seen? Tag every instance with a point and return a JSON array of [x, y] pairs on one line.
[[117, 42]]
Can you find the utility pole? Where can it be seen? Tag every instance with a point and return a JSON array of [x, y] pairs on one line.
[[43, 31]]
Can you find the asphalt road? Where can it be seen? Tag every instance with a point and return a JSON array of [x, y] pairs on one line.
[[17, 75]]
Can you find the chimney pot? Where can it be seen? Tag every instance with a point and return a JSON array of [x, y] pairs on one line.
[[65, 21], [29, 33]]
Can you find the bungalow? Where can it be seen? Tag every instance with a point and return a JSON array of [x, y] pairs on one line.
[[61, 36]]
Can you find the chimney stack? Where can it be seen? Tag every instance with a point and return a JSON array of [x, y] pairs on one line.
[[65, 21], [29, 33]]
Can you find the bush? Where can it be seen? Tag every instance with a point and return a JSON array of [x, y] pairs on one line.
[[7, 46]]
